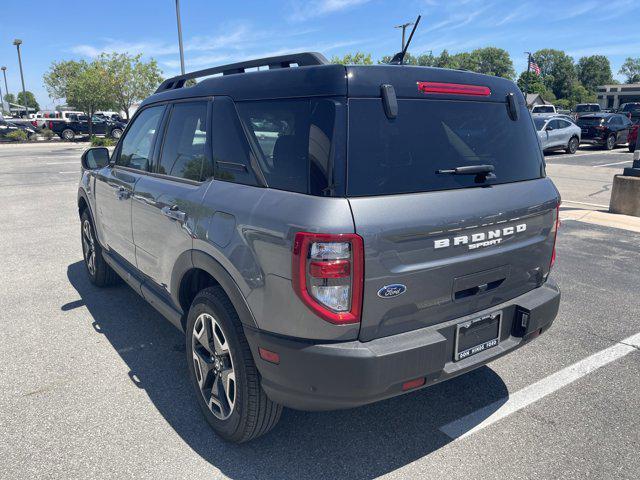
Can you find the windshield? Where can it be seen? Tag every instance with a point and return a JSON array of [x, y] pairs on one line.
[[587, 108], [539, 123], [402, 155]]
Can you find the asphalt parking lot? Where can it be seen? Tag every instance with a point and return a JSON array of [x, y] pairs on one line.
[[93, 383]]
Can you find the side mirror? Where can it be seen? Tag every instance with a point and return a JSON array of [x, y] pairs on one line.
[[95, 158], [548, 128]]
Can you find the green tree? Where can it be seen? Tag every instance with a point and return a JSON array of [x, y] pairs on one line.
[[30, 102], [357, 58], [531, 83], [10, 98], [593, 71], [61, 75], [131, 79], [91, 90], [490, 61], [631, 70], [557, 71], [446, 60]]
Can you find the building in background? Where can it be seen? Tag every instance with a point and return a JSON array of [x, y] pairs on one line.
[[535, 99], [612, 96]]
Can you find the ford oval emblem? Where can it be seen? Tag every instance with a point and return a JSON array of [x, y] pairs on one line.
[[394, 290]]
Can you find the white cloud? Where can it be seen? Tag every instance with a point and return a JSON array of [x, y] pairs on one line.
[[317, 8]]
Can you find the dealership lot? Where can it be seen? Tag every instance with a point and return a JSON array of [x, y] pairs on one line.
[[93, 382]]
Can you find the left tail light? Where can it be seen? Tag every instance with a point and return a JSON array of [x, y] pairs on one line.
[[554, 232], [327, 273]]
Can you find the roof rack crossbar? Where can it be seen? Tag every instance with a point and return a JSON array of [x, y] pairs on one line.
[[304, 59]]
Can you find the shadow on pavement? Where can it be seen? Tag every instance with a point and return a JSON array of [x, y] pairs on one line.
[[360, 443]]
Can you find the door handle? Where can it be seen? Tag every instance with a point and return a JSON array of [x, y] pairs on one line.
[[122, 193], [174, 213]]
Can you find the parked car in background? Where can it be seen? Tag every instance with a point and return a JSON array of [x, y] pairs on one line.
[[557, 133], [79, 125], [585, 109], [631, 110], [544, 109], [605, 129], [43, 118], [7, 126], [633, 137]]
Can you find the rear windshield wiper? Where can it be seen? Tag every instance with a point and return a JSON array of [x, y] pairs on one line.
[[482, 170]]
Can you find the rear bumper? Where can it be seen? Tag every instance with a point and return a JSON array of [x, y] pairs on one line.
[[329, 376], [593, 140]]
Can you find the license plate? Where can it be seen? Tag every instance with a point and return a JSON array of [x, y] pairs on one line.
[[477, 335]]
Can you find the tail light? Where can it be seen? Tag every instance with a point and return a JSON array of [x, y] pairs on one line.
[[34, 123], [50, 125], [600, 127], [454, 89], [554, 231], [327, 272]]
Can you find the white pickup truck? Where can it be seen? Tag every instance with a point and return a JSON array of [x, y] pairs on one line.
[[543, 109], [43, 118]]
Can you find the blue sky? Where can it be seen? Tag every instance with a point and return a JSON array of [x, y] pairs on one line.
[[218, 32]]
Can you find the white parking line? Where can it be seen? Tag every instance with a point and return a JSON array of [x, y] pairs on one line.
[[585, 154], [609, 164], [486, 416], [585, 203]]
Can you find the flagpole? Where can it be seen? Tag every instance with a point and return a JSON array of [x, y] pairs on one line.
[[526, 82]]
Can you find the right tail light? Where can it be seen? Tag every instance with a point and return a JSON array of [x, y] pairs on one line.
[[327, 273]]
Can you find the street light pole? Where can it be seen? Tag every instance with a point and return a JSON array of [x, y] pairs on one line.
[[404, 27], [17, 42], [6, 89], [180, 36]]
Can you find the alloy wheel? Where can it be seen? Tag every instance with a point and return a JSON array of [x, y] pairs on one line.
[[611, 142], [88, 247], [573, 145], [213, 366]]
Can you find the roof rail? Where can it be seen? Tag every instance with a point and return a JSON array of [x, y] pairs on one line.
[[281, 61]]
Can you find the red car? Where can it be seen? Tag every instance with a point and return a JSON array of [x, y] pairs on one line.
[[633, 137]]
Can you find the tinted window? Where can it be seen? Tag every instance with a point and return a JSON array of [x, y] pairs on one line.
[[563, 124], [231, 151], [615, 121], [137, 143], [403, 155], [555, 124], [539, 123], [183, 147], [586, 121], [587, 108], [543, 109], [295, 139]]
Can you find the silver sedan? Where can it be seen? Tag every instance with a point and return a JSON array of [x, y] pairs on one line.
[[557, 133]]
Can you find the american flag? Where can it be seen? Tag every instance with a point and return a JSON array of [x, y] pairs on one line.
[[534, 67]]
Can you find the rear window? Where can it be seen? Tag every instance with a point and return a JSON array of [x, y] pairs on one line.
[[543, 109], [631, 107], [294, 139], [587, 108], [587, 121], [402, 155]]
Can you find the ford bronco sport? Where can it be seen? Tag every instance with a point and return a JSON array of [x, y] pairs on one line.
[[327, 236]]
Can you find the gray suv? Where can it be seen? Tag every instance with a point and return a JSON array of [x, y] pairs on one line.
[[327, 236]]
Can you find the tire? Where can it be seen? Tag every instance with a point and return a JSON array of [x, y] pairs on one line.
[[116, 133], [99, 271], [572, 146], [632, 147], [240, 411], [610, 143], [68, 134]]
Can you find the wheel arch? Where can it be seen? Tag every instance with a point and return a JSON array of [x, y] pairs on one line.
[[195, 270]]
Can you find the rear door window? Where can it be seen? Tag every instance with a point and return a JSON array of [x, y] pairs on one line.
[[402, 155], [183, 150]]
